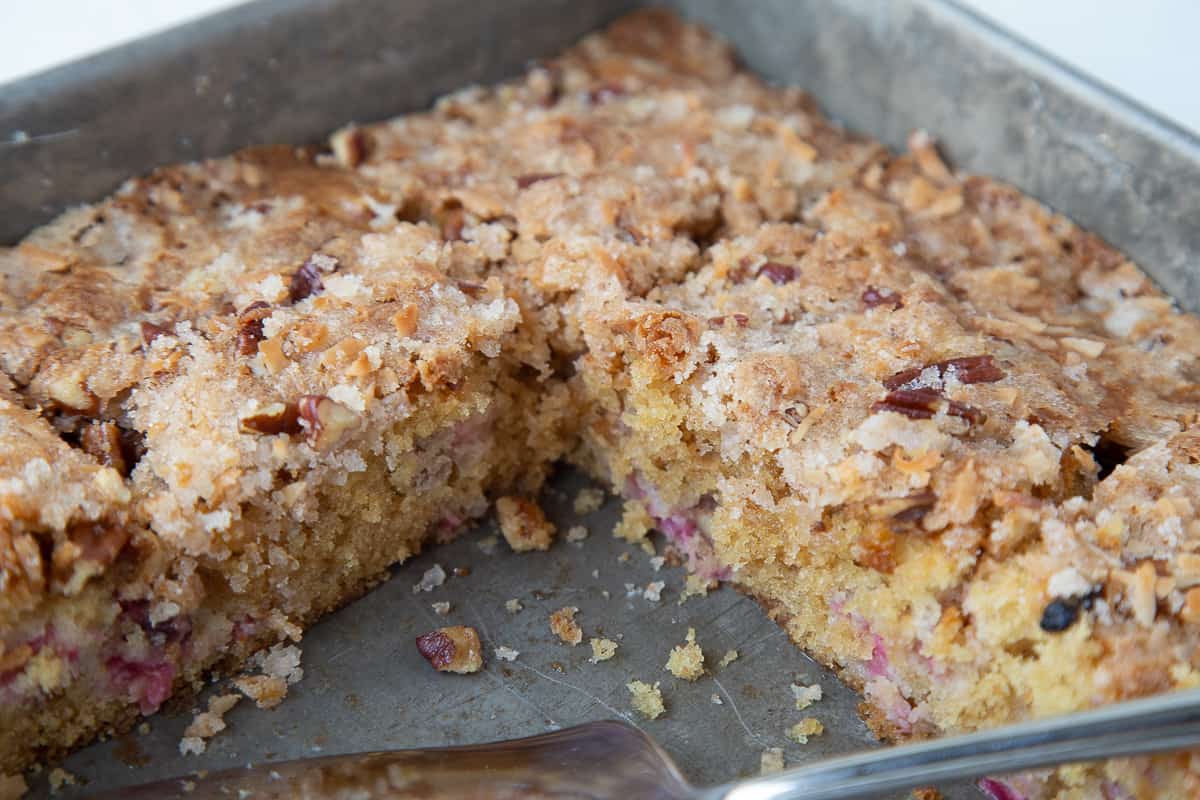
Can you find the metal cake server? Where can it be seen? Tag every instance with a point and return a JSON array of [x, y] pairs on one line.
[[606, 760]]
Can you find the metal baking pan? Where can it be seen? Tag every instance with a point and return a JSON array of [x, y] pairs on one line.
[[292, 70]]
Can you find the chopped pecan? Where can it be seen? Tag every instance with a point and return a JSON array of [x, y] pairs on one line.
[[922, 403], [778, 273], [915, 403], [794, 415], [350, 147], [250, 327], [912, 508], [88, 549], [274, 418], [529, 179], [604, 92], [968, 369], [873, 298], [470, 288], [306, 281], [453, 649], [740, 320], [326, 419], [150, 332], [102, 440]]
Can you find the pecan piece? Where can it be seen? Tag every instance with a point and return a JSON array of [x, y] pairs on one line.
[[102, 441], [529, 179], [915, 403], [274, 418], [922, 403], [912, 508], [306, 281], [350, 147], [150, 332], [873, 298], [250, 327], [968, 369], [604, 92], [470, 288], [87, 550], [739, 320], [778, 273], [453, 649], [327, 420]]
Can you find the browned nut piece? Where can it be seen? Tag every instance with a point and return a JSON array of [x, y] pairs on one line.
[[88, 549], [453, 649], [523, 524], [70, 392], [349, 146], [150, 332], [325, 419], [102, 440], [274, 418], [250, 327]]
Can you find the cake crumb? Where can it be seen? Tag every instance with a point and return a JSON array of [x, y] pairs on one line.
[[12, 787], [695, 586], [434, 577], [60, 778], [635, 522], [507, 653], [453, 649], [513, 605], [653, 591], [267, 691], [623, 558], [281, 661], [806, 695], [144, 728], [602, 649], [576, 533], [524, 524], [686, 660], [805, 728], [716, 699], [727, 659], [647, 700], [562, 623], [488, 544], [657, 562], [207, 724], [441, 608], [771, 760], [588, 500]]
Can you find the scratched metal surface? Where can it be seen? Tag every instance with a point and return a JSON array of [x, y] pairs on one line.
[[365, 686]]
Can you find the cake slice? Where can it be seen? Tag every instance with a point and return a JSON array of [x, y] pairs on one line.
[[242, 397], [948, 440]]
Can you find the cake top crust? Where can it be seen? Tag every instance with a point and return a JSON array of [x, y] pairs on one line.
[[888, 333]]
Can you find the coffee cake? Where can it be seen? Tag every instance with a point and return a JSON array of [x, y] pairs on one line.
[[946, 438]]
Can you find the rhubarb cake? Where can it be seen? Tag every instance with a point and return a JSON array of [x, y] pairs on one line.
[[946, 438]]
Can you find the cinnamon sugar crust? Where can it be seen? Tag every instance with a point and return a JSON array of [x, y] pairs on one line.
[[946, 437]]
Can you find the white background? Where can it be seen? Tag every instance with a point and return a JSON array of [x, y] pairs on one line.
[[1146, 48]]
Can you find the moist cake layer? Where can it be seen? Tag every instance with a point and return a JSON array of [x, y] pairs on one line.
[[944, 436]]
